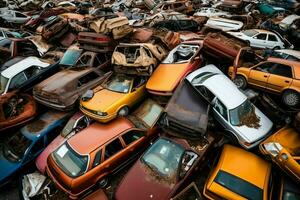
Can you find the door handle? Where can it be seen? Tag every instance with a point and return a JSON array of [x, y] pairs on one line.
[[287, 81], [265, 76]]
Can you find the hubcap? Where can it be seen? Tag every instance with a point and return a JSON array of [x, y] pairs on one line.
[[123, 112], [291, 99], [238, 82]]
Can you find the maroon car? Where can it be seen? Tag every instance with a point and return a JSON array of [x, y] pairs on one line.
[[164, 169]]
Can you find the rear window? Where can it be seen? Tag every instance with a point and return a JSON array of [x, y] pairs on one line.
[[239, 186]]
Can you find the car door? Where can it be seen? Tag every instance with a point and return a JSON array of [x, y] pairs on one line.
[[259, 74], [272, 41], [281, 77], [221, 113], [138, 90], [259, 40]]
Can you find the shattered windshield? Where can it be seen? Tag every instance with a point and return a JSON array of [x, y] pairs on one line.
[[163, 157], [250, 33], [72, 163], [243, 115], [14, 149], [181, 54], [119, 84], [3, 83]]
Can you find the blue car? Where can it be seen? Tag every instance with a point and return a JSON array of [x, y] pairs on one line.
[[26, 144]]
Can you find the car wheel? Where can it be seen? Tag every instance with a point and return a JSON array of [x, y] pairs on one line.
[[103, 182], [276, 48], [123, 111], [291, 98], [240, 82]]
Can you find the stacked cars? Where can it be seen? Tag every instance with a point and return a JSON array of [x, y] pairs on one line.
[[150, 99]]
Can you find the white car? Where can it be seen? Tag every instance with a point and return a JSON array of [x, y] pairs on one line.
[[13, 16], [230, 106], [262, 39], [224, 24], [21, 73], [289, 54], [209, 12]]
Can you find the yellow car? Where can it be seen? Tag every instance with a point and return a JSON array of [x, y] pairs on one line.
[[113, 98], [239, 175], [283, 147], [275, 75]]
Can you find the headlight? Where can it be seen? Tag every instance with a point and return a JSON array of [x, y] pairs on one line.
[[101, 113], [273, 148]]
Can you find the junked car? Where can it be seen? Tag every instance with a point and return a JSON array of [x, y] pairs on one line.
[[26, 144], [96, 42], [15, 17], [101, 150], [16, 110], [25, 74], [177, 6], [178, 25], [224, 24], [70, 56], [114, 97], [274, 75], [243, 122], [183, 59], [283, 149], [75, 124], [262, 39], [62, 90], [165, 168], [55, 29], [209, 12], [141, 59], [230, 178]]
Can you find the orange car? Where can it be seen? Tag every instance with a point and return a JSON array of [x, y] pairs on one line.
[[283, 147], [274, 75], [239, 175], [89, 157], [182, 60]]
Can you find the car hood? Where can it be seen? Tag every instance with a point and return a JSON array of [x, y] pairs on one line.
[[237, 34], [41, 160], [166, 77], [102, 100], [140, 183], [7, 168], [253, 134]]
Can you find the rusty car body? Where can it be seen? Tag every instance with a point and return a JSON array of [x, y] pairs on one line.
[[15, 110], [96, 42], [62, 90], [102, 150], [186, 113], [139, 59], [55, 28]]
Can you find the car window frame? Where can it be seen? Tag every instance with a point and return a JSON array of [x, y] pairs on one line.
[[105, 146], [222, 104], [11, 79], [135, 141]]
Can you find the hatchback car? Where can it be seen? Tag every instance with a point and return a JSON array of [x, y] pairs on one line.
[[114, 97], [274, 75], [243, 122], [92, 155], [239, 175], [283, 149], [182, 60]]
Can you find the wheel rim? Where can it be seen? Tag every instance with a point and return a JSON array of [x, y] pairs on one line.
[[103, 183], [291, 99], [123, 112], [238, 82]]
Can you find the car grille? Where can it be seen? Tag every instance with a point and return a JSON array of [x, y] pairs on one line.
[[89, 110], [58, 177]]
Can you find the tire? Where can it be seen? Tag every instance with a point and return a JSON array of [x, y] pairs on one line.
[[291, 98], [276, 48], [102, 183], [123, 111], [240, 82], [248, 42]]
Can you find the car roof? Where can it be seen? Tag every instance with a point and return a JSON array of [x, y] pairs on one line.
[[294, 64], [97, 134], [221, 86], [290, 52], [22, 65], [240, 163], [263, 31]]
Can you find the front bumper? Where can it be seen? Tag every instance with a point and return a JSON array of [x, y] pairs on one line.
[[54, 105], [103, 119]]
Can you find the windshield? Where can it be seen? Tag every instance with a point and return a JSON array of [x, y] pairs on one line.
[[119, 84], [15, 148], [200, 78], [149, 112], [181, 54], [163, 157], [3, 83], [68, 128], [250, 33], [69, 161], [70, 57], [239, 112]]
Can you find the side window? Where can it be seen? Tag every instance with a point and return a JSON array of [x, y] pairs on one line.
[[32, 71], [87, 78], [97, 159], [282, 70], [261, 36], [17, 81], [20, 15], [132, 136], [272, 38], [220, 108], [112, 148], [37, 147], [264, 67], [208, 95], [138, 81], [1, 34]]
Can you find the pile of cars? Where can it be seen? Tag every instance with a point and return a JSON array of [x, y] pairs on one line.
[[134, 99]]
